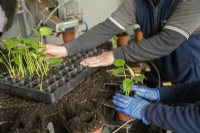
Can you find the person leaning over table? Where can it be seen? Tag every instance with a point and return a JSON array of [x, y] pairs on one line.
[[7, 12], [179, 119], [171, 30]]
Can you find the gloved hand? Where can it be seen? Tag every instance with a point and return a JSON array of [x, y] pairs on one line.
[[131, 106], [147, 93], [151, 94]]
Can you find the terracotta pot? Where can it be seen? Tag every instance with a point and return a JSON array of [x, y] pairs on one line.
[[99, 130], [68, 36], [137, 70], [123, 117], [122, 40], [138, 35]]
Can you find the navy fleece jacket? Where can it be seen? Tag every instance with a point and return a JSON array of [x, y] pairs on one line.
[[179, 119]]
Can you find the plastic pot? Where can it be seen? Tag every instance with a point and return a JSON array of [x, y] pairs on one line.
[[123, 39], [68, 36]]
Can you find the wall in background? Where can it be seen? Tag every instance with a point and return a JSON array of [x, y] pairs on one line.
[[95, 11]]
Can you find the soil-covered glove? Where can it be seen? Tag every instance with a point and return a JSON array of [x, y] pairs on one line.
[[131, 106], [151, 94]]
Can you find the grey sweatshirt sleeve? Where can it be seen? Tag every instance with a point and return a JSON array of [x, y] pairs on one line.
[[94, 37], [152, 48]]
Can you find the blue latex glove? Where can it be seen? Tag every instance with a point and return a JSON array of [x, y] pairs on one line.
[[147, 93], [151, 94], [131, 106]]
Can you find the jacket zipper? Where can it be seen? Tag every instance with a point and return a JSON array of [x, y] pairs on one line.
[[155, 17]]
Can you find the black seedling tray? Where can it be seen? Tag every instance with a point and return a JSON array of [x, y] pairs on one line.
[[61, 80]]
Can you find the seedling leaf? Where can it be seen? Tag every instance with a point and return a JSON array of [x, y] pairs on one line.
[[130, 71], [117, 71], [127, 84], [54, 62], [12, 43], [139, 77], [30, 42], [45, 31], [1, 60], [119, 63]]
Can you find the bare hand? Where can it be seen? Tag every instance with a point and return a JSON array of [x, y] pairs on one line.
[[104, 59], [54, 51]]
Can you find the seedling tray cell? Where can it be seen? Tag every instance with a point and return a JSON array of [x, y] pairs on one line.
[[62, 79]]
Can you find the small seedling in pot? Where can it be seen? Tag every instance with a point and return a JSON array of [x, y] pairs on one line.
[[24, 56], [128, 81]]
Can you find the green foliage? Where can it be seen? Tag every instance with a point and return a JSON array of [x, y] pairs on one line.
[[122, 67], [24, 56], [54, 62], [114, 41], [45, 31]]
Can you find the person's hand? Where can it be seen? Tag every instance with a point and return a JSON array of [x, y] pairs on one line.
[[54, 51], [104, 59], [151, 94], [132, 106]]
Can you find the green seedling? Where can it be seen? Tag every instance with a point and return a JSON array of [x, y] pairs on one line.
[[122, 67], [24, 56], [114, 41]]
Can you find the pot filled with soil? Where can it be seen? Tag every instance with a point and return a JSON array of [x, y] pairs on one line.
[[69, 35], [123, 39], [88, 122]]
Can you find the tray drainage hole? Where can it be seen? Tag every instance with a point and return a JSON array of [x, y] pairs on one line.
[[95, 50], [6, 79], [56, 77], [13, 81], [73, 59], [67, 62], [65, 79], [73, 73], [47, 89], [62, 67], [64, 73], [32, 85], [71, 67], [69, 76], [22, 83], [32, 78], [80, 55], [59, 84], [79, 69], [91, 53], [49, 81], [46, 82]]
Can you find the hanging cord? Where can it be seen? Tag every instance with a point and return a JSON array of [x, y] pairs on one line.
[[123, 125], [158, 73], [61, 4]]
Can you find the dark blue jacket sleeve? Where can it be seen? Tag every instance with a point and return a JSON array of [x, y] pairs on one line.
[[177, 119], [185, 93]]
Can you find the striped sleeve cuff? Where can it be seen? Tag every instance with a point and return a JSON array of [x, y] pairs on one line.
[[117, 23], [185, 34]]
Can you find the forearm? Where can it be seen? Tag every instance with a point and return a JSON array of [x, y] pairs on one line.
[[151, 48], [93, 38], [176, 119], [187, 93]]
